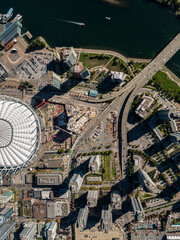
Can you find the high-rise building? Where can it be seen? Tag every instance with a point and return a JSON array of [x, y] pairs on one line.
[[6, 229], [94, 163], [82, 218], [28, 231], [116, 199], [137, 209], [146, 181], [76, 182], [106, 218], [92, 198], [50, 230], [69, 57]]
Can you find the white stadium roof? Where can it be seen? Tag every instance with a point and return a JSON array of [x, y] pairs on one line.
[[20, 134]]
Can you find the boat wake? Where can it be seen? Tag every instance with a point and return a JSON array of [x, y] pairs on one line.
[[72, 22]]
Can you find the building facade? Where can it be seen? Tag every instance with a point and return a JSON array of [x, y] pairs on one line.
[[95, 163], [92, 198], [82, 218]]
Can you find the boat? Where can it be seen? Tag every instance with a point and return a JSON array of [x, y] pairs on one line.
[[108, 18], [8, 15], [83, 24]]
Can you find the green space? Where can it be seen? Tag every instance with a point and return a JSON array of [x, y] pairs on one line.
[[165, 85], [107, 162], [119, 65], [36, 44], [25, 85], [91, 60], [138, 66]]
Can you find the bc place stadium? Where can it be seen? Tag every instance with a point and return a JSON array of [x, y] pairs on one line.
[[20, 134]]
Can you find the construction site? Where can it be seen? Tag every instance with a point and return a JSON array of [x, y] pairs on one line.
[[62, 123]]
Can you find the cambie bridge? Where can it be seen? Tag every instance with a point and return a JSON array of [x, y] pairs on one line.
[[125, 98]]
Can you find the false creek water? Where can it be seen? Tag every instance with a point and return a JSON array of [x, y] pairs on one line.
[[138, 28]]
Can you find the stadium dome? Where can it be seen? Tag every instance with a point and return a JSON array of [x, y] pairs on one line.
[[20, 134]]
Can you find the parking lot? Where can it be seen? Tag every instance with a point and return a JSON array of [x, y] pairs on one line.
[[34, 66]]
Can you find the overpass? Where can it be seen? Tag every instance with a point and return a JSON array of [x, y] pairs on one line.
[[131, 89]]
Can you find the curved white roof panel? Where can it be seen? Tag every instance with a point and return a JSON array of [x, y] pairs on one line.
[[20, 134]]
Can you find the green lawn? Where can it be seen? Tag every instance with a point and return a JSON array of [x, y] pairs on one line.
[[119, 65], [139, 65], [162, 82], [107, 163], [91, 60]]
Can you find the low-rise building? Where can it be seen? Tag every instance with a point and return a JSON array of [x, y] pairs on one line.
[[94, 179], [173, 236], [62, 208], [27, 207], [92, 198], [137, 209], [5, 197], [51, 209], [40, 209], [48, 179], [82, 218], [7, 229], [116, 199], [117, 76], [29, 231], [146, 181], [5, 214], [144, 107], [93, 93], [147, 235], [80, 72], [50, 230], [95, 163], [76, 182], [106, 218]]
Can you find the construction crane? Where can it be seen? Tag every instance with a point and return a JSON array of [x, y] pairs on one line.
[[43, 102]]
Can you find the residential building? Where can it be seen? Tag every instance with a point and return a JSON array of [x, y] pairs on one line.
[[93, 93], [49, 179], [40, 209], [146, 181], [5, 197], [56, 57], [147, 235], [55, 80], [117, 76], [50, 230], [5, 214], [29, 231], [106, 218], [137, 209], [69, 57], [76, 182], [7, 229], [144, 107], [12, 30], [92, 198], [116, 199], [95, 163], [82, 218]]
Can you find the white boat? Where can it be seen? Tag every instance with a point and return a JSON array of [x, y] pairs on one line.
[[107, 18]]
